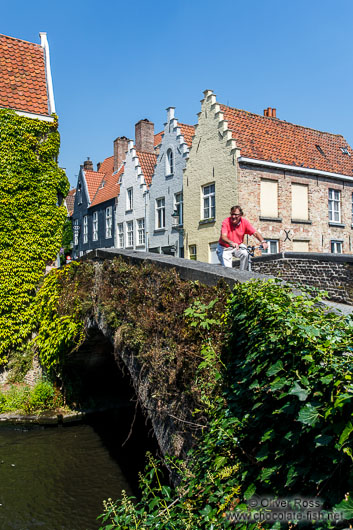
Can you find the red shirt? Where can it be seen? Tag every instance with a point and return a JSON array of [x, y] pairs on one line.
[[236, 233]]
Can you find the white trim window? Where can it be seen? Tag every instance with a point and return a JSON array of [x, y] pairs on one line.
[[334, 205], [178, 208], [193, 252], [76, 230], [336, 246], [209, 201], [108, 222], [130, 233], [160, 213], [169, 161], [129, 198], [272, 247], [121, 235], [141, 238], [85, 229], [95, 226]]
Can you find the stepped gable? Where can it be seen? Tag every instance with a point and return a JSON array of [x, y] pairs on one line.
[[273, 140], [188, 132], [23, 83], [147, 162]]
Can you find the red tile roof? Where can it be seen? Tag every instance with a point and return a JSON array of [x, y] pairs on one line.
[[158, 138], [109, 187], [23, 83], [70, 201], [93, 180], [188, 132], [107, 166], [273, 140], [147, 163]]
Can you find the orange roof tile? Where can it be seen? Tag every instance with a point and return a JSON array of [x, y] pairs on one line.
[[23, 83], [109, 187], [70, 201], [273, 140], [107, 166], [158, 138], [188, 132], [147, 163], [93, 180]]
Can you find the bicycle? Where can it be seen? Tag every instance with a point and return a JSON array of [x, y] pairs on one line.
[[251, 251]]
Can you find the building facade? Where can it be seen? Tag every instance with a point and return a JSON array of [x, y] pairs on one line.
[[295, 184], [165, 224]]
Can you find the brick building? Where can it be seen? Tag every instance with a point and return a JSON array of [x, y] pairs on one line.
[[295, 184]]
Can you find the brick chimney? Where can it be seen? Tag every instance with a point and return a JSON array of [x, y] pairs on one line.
[[120, 148], [144, 136], [269, 112], [88, 165]]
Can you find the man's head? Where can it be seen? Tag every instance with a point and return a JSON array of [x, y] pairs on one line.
[[235, 214]]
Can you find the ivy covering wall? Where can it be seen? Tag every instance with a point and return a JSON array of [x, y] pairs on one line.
[[30, 219]]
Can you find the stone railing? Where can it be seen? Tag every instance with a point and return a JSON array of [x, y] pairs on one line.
[[330, 272]]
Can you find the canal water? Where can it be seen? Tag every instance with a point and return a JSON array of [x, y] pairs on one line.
[[56, 478]]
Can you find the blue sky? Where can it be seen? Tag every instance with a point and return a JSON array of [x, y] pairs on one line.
[[114, 63]]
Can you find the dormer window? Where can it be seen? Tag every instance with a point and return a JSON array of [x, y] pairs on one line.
[[345, 151], [170, 162]]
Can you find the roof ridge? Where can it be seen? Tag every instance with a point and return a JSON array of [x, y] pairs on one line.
[[282, 121], [21, 40]]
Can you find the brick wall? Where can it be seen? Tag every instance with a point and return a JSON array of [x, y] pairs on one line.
[[333, 273]]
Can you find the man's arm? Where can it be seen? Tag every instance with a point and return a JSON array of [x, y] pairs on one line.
[[260, 238], [229, 241]]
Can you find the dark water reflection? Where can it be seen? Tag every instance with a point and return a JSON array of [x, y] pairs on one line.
[[56, 478]]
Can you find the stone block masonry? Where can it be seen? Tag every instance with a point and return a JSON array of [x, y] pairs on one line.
[[330, 272]]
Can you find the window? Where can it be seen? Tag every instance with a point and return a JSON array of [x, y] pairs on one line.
[[129, 198], [121, 235], [336, 247], [269, 198], [169, 162], [300, 246], [95, 226], [192, 252], [178, 208], [209, 201], [130, 233], [141, 231], [352, 209], [108, 222], [300, 207], [160, 213], [334, 206], [79, 194], [272, 247], [85, 229], [76, 230]]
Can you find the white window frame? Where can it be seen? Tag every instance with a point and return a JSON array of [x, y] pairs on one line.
[[209, 201], [129, 234], [75, 232], [193, 252], [95, 226], [108, 222], [169, 161], [140, 229], [85, 229], [336, 246], [334, 205], [160, 213], [129, 199], [120, 235], [273, 247], [178, 207]]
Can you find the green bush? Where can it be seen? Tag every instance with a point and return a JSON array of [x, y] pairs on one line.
[[43, 396]]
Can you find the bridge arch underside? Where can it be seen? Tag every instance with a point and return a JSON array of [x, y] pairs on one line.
[[94, 380]]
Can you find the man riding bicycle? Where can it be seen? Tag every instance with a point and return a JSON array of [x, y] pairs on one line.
[[230, 243]]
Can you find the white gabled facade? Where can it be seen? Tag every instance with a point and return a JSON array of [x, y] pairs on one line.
[[166, 194]]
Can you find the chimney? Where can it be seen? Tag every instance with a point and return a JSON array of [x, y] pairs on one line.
[[269, 112], [144, 136], [120, 148], [88, 165]]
